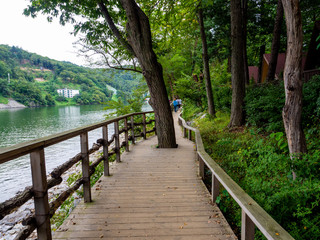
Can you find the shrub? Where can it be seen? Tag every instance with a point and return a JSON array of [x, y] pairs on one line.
[[263, 106], [261, 165]]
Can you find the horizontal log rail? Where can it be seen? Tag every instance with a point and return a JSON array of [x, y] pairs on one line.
[[252, 214], [44, 210]]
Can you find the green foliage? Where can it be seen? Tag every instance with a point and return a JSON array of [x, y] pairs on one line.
[[261, 165], [3, 99], [264, 103], [221, 86], [263, 106], [133, 102]]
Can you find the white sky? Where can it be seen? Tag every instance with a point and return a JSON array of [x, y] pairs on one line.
[[36, 35]]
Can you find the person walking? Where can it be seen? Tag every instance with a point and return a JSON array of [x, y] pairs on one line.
[[175, 105], [179, 103]]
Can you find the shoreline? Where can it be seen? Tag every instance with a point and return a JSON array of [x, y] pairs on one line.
[[11, 105]]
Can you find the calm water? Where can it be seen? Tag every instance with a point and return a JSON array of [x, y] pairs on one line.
[[19, 125]]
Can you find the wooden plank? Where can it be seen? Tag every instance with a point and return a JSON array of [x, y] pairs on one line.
[[247, 227], [152, 192], [132, 130], [117, 141], [144, 126], [126, 136], [39, 188], [85, 167], [215, 186], [105, 151]]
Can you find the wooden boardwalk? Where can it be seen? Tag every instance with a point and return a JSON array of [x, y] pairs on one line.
[[152, 194]]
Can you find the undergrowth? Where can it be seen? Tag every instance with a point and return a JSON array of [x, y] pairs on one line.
[[261, 165]]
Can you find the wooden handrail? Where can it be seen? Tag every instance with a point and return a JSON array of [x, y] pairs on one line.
[[252, 214], [39, 190], [18, 150]]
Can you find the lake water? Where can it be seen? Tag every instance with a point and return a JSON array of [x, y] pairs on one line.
[[19, 125]]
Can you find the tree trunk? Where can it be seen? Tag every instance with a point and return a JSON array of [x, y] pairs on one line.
[[139, 37], [261, 53], [275, 43], [237, 73], [206, 71], [293, 80], [244, 29]]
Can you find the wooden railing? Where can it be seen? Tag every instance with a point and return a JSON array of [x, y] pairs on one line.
[[252, 214], [40, 184]]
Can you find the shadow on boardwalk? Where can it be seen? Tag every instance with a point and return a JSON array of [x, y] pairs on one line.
[[152, 194]]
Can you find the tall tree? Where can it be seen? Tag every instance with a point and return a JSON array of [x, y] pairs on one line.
[[293, 80], [275, 42], [138, 44], [237, 73], [206, 70], [244, 12]]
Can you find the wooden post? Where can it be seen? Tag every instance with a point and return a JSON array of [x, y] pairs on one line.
[[105, 150], [117, 140], [184, 132], [85, 167], [190, 134], [132, 130], [247, 227], [41, 204], [126, 134], [144, 126], [214, 188], [201, 167]]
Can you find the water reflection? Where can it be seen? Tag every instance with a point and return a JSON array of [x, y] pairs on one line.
[[19, 125]]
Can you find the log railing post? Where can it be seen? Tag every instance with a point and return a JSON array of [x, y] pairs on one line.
[[126, 134], [41, 204], [117, 141], [201, 167], [144, 126], [247, 227], [132, 130], [105, 150], [214, 188], [190, 134], [184, 132], [85, 167]]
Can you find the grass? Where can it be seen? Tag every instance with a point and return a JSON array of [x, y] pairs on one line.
[[3, 100]]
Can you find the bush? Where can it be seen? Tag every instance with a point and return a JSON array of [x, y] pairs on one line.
[[264, 103], [263, 106], [263, 168]]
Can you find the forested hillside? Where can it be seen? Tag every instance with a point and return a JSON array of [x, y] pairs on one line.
[[33, 80]]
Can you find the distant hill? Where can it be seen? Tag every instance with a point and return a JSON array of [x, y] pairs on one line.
[[33, 80]]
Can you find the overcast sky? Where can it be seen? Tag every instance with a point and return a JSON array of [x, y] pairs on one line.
[[36, 35]]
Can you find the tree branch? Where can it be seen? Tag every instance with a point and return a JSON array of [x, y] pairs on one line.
[[100, 51], [113, 27]]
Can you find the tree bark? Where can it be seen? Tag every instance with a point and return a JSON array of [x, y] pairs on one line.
[[244, 9], [293, 80], [275, 43], [206, 70], [139, 37], [261, 53], [237, 73]]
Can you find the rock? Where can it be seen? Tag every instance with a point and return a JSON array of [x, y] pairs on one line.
[[11, 104]]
